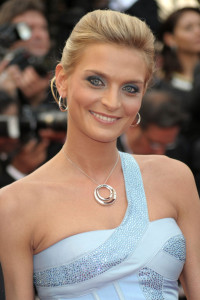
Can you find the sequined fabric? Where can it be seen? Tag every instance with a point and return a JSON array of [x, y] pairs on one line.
[[176, 247], [151, 284]]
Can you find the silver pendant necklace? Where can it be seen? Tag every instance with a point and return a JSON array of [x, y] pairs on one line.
[[112, 193]]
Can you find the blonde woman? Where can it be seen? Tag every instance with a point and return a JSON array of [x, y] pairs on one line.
[[94, 223]]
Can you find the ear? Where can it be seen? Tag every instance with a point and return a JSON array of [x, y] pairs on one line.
[[61, 81], [169, 40]]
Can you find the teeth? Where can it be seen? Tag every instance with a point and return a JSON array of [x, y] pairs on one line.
[[104, 118]]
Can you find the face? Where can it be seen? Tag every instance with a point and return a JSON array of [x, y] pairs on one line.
[[187, 33], [153, 140], [39, 43], [105, 90]]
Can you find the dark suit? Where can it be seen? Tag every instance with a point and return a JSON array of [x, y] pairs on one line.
[[2, 292], [146, 10]]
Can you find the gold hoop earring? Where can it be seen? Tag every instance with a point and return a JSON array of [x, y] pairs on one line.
[[138, 121], [61, 105]]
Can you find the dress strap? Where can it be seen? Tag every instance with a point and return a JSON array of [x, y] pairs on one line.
[[134, 188]]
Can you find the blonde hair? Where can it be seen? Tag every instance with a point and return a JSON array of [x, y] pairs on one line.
[[107, 26]]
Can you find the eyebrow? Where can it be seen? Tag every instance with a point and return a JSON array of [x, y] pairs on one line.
[[104, 75]]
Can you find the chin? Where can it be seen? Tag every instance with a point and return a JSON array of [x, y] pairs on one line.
[[104, 139]]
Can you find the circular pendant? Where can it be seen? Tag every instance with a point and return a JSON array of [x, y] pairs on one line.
[[105, 201]]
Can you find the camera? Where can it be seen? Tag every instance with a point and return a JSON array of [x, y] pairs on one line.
[[10, 33], [23, 59], [27, 125]]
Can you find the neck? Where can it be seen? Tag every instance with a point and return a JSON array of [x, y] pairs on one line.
[[95, 160], [188, 62], [92, 156]]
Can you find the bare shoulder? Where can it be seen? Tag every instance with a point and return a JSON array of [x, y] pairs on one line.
[[19, 200], [172, 176], [16, 201], [161, 167], [24, 197]]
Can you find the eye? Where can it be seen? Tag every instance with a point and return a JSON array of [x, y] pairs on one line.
[[95, 80], [131, 89], [189, 27]]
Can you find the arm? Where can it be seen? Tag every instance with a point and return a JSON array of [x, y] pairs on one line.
[[189, 222], [15, 247], [32, 85]]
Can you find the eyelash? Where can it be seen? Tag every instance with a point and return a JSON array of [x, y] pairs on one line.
[[131, 89], [94, 80]]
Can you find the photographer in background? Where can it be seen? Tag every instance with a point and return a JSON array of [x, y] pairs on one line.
[[26, 59], [25, 71], [17, 158], [158, 131]]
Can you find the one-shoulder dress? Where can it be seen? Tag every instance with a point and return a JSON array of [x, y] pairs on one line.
[[138, 260]]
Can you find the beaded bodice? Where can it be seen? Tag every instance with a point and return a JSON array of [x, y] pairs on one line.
[[137, 260]]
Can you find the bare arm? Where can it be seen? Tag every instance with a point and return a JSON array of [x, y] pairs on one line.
[[15, 247], [189, 222]]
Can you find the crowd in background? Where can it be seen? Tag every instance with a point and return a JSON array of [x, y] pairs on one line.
[[32, 129]]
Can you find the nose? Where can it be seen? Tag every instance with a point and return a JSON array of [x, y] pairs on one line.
[[111, 99], [39, 32], [36, 32]]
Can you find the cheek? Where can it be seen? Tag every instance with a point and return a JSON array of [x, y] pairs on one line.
[[46, 37], [82, 98], [132, 107], [184, 39]]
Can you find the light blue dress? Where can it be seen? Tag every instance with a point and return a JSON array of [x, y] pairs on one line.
[[138, 260]]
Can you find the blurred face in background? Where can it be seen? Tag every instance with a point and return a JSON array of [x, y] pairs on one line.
[[152, 140], [39, 43], [186, 35]]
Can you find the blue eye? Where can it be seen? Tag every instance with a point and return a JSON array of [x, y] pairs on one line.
[[131, 89], [95, 80]]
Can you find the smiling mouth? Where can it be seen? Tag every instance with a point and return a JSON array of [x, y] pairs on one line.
[[104, 118]]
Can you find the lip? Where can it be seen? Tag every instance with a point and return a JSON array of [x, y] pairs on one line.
[[104, 118]]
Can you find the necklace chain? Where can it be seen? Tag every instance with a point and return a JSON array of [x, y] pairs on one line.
[[75, 165]]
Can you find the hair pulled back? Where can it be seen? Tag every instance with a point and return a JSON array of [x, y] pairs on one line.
[[106, 26]]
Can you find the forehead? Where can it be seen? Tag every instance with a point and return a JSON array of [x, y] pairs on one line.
[[31, 17], [116, 60], [188, 17]]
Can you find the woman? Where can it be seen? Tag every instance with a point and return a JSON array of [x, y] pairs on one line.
[[93, 223], [180, 56], [180, 35]]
